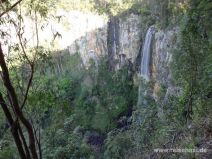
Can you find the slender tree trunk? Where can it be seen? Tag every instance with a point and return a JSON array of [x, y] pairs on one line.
[[15, 104], [14, 129]]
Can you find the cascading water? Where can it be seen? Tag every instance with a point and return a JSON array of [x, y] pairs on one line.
[[145, 62]]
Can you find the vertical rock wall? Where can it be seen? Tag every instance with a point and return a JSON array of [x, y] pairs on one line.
[[165, 43]]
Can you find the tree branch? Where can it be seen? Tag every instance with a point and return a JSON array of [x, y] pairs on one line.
[[13, 6]]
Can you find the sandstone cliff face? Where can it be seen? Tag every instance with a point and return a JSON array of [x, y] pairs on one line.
[[119, 39]]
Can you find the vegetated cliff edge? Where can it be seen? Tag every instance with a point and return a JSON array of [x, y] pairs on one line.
[[121, 40]]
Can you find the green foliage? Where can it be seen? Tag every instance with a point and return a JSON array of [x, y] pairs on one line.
[[99, 105], [191, 64], [46, 8], [117, 145], [65, 145], [111, 7], [7, 153], [60, 101], [7, 149]]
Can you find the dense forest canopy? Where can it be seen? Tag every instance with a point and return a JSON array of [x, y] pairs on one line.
[[71, 85]]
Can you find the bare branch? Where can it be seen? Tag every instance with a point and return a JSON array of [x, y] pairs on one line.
[[9, 9], [37, 36], [28, 86], [31, 63], [23, 49]]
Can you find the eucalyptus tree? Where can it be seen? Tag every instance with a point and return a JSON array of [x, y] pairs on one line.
[[13, 99]]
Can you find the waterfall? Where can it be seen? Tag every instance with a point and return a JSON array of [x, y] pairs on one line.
[[145, 62]]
